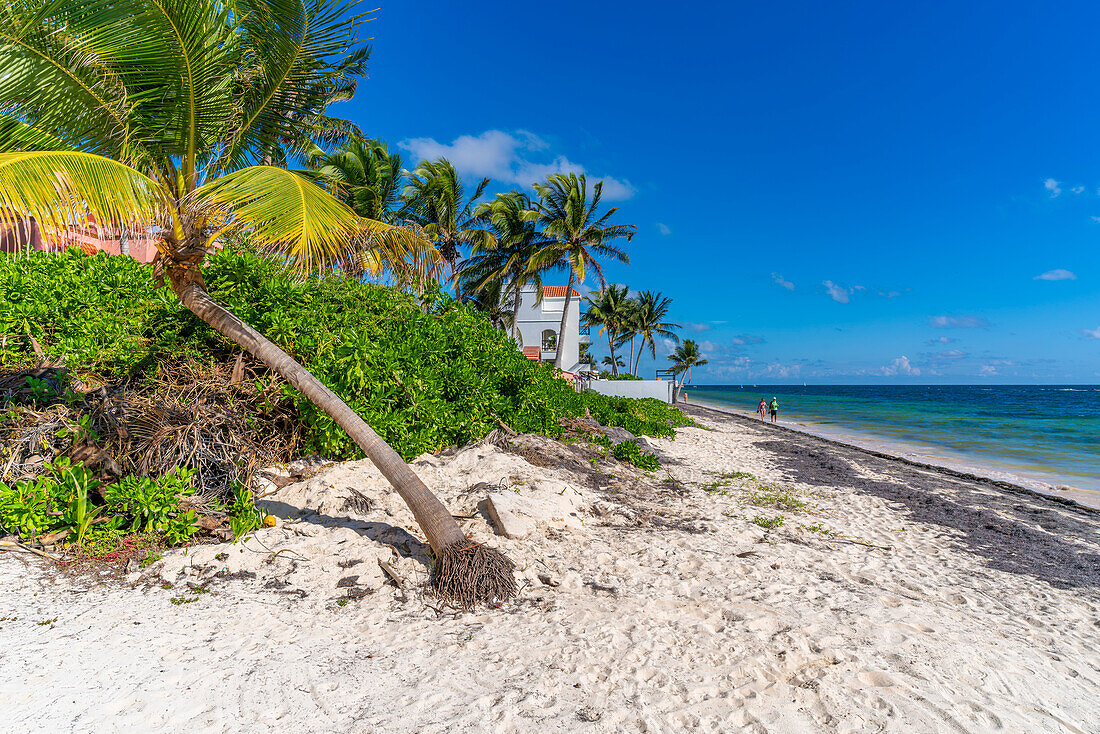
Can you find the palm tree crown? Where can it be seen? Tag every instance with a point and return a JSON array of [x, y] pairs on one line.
[[436, 200], [367, 176], [684, 357], [608, 311], [577, 234], [508, 260], [648, 322]]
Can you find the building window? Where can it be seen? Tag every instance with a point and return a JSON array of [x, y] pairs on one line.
[[549, 339]]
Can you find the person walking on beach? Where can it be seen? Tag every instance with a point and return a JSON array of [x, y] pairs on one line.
[[774, 408], [762, 409]]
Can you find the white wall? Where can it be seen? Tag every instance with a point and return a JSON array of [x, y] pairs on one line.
[[535, 319], [660, 389]]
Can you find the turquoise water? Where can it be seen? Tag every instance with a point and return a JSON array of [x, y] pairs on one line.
[[1044, 436]]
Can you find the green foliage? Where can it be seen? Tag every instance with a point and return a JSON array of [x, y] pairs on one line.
[[773, 495], [630, 452], [244, 516], [153, 505], [61, 499], [605, 375], [599, 439], [424, 375], [768, 523]]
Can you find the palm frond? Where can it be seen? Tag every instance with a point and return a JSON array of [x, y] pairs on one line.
[[283, 212], [61, 188]]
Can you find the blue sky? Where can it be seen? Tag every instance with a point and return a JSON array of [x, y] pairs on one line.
[[830, 192]]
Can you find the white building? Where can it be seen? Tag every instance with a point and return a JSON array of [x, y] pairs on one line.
[[538, 325]]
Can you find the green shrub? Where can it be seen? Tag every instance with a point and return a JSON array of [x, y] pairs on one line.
[[153, 505], [423, 377], [630, 452], [605, 375], [60, 499]]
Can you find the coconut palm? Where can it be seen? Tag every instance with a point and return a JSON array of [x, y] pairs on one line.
[[577, 234], [614, 364], [158, 115], [364, 174], [607, 311], [650, 310], [684, 357], [436, 200], [368, 177], [629, 325], [508, 259]]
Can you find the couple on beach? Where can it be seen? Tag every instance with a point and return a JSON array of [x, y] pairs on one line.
[[766, 407]]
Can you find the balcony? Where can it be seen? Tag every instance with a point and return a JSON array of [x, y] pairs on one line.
[[584, 335]]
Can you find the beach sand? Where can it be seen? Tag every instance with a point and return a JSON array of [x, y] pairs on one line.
[[937, 603]]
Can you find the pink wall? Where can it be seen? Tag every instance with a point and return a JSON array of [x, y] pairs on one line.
[[15, 236]]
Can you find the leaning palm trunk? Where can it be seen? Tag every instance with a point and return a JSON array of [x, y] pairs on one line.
[[564, 321], [465, 573]]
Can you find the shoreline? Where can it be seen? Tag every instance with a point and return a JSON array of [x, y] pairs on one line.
[[1083, 498], [761, 581]]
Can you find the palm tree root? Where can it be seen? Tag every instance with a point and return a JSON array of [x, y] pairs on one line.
[[466, 576]]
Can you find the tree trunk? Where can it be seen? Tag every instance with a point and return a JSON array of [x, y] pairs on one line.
[[638, 359], [439, 527], [564, 319], [515, 315], [611, 348]]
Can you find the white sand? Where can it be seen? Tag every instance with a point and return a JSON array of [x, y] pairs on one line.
[[652, 628]]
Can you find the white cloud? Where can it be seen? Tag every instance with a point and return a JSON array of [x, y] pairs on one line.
[[663, 228], [889, 294], [781, 371], [1091, 333], [1058, 274], [782, 282], [987, 370], [957, 322], [1052, 186], [839, 293], [697, 328], [1095, 219], [900, 366], [746, 339], [1078, 189], [941, 340], [505, 157]]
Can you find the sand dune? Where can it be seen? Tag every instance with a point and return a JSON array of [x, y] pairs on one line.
[[898, 599]]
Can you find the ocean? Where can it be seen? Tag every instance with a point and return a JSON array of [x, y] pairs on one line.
[[1044, 437]]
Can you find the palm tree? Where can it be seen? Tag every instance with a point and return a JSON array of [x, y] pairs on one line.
[[607, 312], [364, 174], [629, 327], [648, 320], [508, 259], [615, 364], [368, 177], [684, 357], [576, 235], [159, 115], [435, 200]]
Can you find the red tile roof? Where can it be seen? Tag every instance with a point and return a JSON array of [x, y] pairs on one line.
[[556, 291]]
